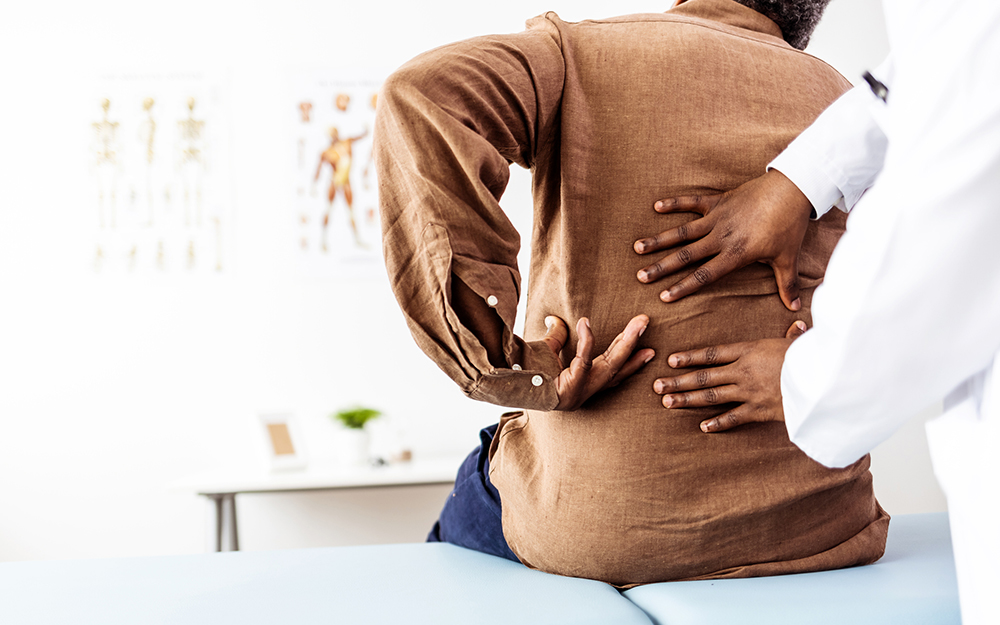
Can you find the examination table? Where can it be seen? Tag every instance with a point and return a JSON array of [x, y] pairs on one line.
[[913, 584]]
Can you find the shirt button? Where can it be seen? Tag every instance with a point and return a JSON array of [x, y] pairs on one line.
[[492, 300], [537, 380], [516, 367]]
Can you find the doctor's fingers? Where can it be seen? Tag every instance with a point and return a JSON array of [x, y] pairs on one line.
[[695, 380], [705, 397], [740, 415], [690, 231], [796, 330], [679, 259], [720, 266], [710, 356], [701, 204]]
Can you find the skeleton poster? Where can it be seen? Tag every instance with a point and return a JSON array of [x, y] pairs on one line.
[[160, 197]]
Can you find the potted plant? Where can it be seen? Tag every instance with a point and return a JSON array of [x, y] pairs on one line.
[[354, 440]]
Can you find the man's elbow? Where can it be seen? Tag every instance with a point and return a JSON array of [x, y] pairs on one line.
[[414, 81]]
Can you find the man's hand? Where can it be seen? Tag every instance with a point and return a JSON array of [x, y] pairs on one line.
[[762, 220], [585, 375], [748, 374]]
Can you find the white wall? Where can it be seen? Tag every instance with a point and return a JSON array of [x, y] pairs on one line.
[[111, 389]]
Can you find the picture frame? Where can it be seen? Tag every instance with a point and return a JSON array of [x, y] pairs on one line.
[[282, 441]]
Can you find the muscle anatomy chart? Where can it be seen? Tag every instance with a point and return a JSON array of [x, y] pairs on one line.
[[335, 206]]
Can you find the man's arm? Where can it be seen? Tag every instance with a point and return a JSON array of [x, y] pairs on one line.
[[448, 126], [831, 162]]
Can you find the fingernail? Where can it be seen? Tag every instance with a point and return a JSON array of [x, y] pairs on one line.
[[673, 361], [797, 303], [550, 322], [658, 205], [643, 276], [650, 357], [665, 296], [658, 387], [705, 426], [586, 322], [643, 330], [801, 325], [668, 401]]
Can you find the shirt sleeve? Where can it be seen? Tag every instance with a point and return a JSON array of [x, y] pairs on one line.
[[840, 155], [448, 126], [909, 307]]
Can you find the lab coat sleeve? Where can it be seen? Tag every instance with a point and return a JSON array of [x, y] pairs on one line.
[[910, 307], [449, 124], [840, 155]]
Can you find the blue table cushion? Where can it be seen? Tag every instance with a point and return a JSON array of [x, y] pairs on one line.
[[391, 584], [914, 584]]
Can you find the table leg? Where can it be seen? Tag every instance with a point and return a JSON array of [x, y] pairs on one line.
[[218, 521], [234, 540], [225, 502]]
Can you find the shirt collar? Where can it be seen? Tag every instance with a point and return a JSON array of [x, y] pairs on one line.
[[730, 13]]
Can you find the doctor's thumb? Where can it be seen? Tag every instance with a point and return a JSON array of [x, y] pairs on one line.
[[787, 276], [796, 330]]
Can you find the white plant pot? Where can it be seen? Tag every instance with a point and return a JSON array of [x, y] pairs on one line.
[[352, 448]]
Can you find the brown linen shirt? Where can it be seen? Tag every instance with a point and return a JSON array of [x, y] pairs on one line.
[[611, 115]]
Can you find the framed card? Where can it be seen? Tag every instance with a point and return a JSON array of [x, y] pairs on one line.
[[283, 442]]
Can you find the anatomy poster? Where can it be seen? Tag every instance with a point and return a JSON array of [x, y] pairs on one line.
[[160, 196], [335, 207]]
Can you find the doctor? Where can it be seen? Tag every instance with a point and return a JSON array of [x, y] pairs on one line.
[[910, 308]]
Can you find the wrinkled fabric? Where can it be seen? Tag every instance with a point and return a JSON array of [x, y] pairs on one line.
[[612, 115]]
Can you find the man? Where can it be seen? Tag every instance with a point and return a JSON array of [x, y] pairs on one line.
[[598, 484], [909, 310]]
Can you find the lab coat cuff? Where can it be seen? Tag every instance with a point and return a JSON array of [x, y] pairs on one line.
[[809, 430], [811, 179]]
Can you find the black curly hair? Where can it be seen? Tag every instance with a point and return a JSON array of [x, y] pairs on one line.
[[797, 19]]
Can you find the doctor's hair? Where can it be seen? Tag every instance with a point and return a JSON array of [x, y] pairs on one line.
[[797, 19]]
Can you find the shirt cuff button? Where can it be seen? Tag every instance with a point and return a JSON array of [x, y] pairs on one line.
[[537, 380], [492, 300], [516, 367]]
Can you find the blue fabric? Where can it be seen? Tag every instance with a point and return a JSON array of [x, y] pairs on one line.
[[471, 515]]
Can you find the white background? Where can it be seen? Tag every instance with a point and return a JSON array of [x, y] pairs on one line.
[[112, 388]]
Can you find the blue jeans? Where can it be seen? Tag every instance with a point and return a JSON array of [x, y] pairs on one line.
[[471, 515]]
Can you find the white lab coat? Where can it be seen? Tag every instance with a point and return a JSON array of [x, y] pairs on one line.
[[910, 308]]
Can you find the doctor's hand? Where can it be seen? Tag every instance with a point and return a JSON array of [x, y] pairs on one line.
[[747, 374], [763, 220], [586, 375]]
